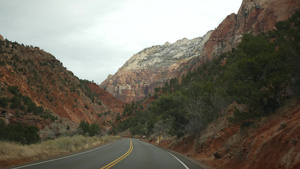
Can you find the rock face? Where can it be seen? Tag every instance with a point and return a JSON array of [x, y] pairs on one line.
[[154, 66], [254, 16]]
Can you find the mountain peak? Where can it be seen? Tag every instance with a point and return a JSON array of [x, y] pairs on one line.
[[152, 66]]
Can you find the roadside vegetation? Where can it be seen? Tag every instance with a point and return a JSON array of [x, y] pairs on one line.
[[87, 129], [21, 133], [29, 134], [260, 75], [20, 143], [12, 153]]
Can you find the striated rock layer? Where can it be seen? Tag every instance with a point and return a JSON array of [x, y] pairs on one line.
[[154, 66]]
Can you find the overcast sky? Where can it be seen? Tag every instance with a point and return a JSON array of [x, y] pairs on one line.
[[94, 38]]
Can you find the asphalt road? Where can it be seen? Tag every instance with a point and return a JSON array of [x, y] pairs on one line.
[[125, 153]]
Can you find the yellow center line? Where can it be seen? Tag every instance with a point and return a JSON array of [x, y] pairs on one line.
[[120, 158]]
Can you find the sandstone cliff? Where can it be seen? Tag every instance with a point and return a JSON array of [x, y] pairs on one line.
[[254, 16], [154, 66]]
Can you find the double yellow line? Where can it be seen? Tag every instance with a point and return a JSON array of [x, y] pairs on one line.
[[120, 158]]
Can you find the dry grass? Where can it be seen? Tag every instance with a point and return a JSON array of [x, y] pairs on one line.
[[15, 153]]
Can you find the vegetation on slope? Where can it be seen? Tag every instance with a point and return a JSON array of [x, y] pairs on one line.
[[260, 74], [37, 90], [24, 105], [24, 134]]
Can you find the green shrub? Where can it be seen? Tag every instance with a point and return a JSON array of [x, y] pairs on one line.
[[4, 102], [16, 102], [13, 89], [22, 133], [2, 63], [85, 128]]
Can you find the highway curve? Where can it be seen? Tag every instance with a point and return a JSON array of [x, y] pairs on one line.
[[123, 154]]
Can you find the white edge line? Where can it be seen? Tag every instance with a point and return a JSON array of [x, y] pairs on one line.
[[29, 165], [171, 155], [179, 161]]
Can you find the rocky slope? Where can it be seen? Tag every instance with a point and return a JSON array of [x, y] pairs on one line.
[[154, 66], [36, 89], [271, 143], [254, 16]]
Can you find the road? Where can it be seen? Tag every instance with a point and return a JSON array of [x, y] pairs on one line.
[[125, 153]]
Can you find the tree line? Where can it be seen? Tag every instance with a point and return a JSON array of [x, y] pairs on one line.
[[18, 132]]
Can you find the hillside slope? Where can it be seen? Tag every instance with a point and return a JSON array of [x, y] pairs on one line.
[[271, 143], [241, 110], [154, 66], [36, 89]]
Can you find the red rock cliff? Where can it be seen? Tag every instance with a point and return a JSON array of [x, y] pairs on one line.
[[254, 16]]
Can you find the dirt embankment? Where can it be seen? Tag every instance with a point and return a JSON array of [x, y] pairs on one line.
[[272, 142]]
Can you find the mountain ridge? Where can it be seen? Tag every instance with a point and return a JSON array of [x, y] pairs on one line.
[[46, 94], [254, 16]]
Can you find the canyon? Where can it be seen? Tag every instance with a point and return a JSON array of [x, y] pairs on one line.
[[30, 77]]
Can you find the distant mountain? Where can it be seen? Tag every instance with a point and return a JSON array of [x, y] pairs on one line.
[[37, 89], [154, 66]]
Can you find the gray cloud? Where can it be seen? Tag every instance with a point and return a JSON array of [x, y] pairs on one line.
[[93, 38]]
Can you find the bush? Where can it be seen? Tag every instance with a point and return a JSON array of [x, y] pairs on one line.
[[4, 102], [2, 63], [16, 102], [94, 129], [85, 128], [22, 133], [13, 89]]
